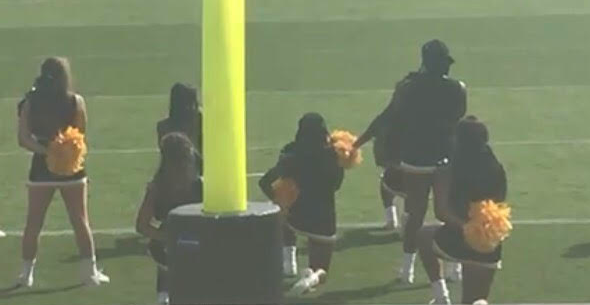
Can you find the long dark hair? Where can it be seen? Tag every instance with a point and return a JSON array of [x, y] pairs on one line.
[[51, 96], [178, 167], [183, 104]]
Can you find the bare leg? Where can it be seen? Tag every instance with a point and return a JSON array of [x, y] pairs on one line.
[[75, 199], [417, 187], [429, 259], [441, 188], [320, 255], [39, 200], [477, 282]]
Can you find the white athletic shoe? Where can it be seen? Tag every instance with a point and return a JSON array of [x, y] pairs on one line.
[[308, 281], [443, 301], [406, 276], [2, 234], [453, 272], [25, 280], [290, 261], [480, 302], [96, 279], [163, 298]]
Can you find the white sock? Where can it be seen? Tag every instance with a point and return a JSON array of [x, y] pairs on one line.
[[391, 214], [28, 267], [289, 252], [88, 266], [439, 289], [409, 260]]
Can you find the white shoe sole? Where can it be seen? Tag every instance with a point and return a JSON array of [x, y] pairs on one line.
[[96, 280]]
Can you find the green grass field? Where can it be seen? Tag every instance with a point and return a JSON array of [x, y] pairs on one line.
[[525, 62]]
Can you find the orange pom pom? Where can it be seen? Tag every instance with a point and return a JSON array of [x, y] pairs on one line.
[[343, 141], [285, 192], [488, 225], [66, 153]]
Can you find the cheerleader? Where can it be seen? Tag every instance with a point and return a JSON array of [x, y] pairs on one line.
[[45, 112], [174, 184], [184, 115], [476, 176], [386, 154], [312, 163]]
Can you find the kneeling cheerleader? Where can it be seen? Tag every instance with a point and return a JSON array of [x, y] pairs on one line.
[[476, 219], [309, 172]]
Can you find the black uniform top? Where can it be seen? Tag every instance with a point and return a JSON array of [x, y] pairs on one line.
[[166, 201], [476, 176], [422, 114], [318, 177]]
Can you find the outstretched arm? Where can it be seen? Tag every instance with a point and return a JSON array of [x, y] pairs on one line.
[[385, 117]]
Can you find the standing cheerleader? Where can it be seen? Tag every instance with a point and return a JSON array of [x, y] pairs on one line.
[[174, 184], [477, 177], [184, 115], [48, 112], [311, 164]]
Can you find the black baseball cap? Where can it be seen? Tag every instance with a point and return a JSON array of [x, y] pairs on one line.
[[436, 51]]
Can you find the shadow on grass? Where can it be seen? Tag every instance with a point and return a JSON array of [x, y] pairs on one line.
[[16, 291], [578, 251], [125, 246], [346, 296], [361, 237]]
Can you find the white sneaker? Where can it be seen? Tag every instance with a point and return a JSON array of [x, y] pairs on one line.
[[96, 279], [480, 302], [443, 301], [163, 298], [25, 280], [2, 234], [290, 261], [308, 281], [452, 271], [406, 276]]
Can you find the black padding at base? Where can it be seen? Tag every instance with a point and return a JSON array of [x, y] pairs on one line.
[[225, 259]]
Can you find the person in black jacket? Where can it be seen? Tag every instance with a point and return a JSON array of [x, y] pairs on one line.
[[312, 163], [476, 175], [425, 109], [175, 183]]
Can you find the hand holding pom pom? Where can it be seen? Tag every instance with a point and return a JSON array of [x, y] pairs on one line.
[[343, 143], [285, 192], [66, 153], [488, 225]]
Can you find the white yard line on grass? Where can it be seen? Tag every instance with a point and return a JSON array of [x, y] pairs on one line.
[[359, 225]]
